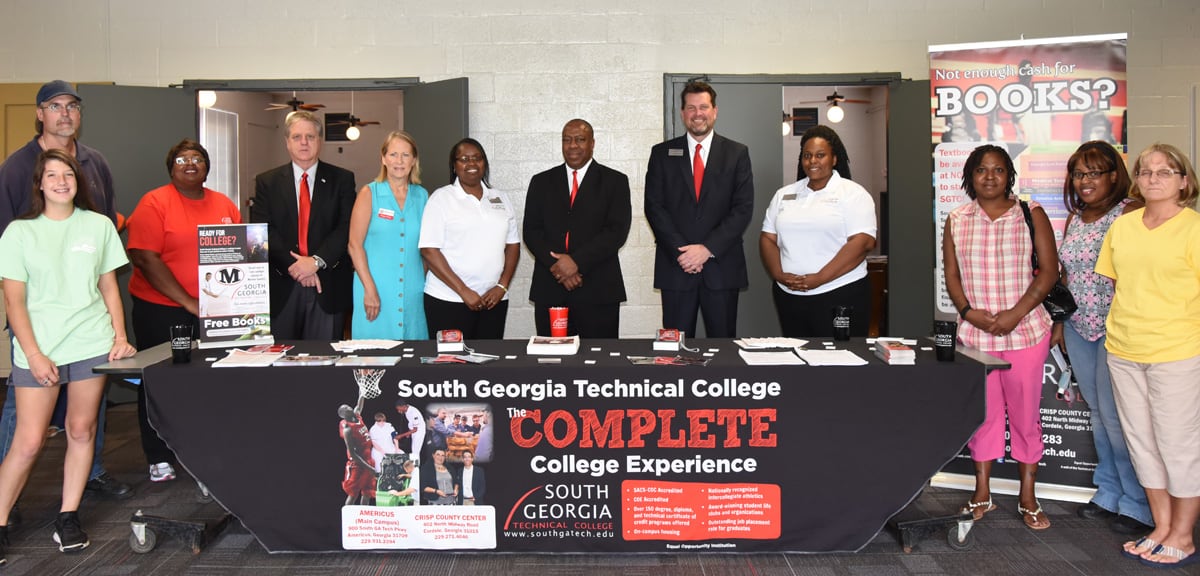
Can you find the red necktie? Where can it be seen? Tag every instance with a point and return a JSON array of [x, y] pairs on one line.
[[698, 171], [574, 186], [574, 191], [305, 204]]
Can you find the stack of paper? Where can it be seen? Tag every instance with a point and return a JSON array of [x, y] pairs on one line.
[[243, 359], [895, 353], [552, 346], [348, 346], [769, 343], [760, 358], [831, 358]]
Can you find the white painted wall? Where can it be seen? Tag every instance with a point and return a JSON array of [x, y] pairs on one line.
[[533, 64]]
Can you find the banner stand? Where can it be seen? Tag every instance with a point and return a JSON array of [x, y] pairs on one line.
[[1010, 487]]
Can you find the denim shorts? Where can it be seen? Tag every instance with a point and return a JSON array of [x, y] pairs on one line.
[[79, 370]]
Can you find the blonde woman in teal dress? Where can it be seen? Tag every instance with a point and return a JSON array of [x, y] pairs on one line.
[[389, 280]]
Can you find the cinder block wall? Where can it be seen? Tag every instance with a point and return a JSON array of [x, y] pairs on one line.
[[533, 64]]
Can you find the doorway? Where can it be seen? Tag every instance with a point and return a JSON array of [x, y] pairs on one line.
[[434, 113], [751, 109]]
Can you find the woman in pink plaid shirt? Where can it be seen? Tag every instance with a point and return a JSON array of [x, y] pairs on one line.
[[986, 252]]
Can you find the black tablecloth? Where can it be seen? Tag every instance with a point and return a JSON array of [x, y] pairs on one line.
[[848, 447]]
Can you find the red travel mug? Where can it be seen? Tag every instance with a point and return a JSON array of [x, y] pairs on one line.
[[558, 321]]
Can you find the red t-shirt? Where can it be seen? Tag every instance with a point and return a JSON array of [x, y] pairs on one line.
[[165, 222]]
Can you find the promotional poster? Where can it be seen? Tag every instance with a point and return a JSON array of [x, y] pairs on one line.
[[1039, 99], [235, 299]]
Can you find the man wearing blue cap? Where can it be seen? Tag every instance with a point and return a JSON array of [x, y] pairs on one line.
[[59, 111]]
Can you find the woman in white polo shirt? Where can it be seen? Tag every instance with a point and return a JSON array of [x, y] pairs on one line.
[[815, 238], [470, 244]]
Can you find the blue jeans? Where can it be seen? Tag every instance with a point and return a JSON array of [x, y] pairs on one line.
[[8, 425], [1117, 487]]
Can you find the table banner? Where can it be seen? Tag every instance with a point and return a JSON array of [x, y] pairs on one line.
[[592, 454]]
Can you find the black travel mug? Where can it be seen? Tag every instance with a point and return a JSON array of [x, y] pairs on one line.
[[181, 343], [841, 322], [945, 333]]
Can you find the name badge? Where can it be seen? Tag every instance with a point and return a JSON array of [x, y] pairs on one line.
[[791, 196], [675, 152], [386, 214]]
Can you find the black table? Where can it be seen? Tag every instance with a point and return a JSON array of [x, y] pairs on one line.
[[834, 451]]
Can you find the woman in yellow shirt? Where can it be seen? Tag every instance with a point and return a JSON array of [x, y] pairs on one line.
[[1153, 256]]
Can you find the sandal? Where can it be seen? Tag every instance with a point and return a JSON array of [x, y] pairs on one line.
[[1031, 517], [1145, 544], [978, 509], [1181, 558]]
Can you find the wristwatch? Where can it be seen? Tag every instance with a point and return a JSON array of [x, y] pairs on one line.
[[963, 312], [320, 262]]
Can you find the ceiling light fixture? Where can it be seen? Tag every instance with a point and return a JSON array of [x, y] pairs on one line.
[[206, 98], [835, 113]]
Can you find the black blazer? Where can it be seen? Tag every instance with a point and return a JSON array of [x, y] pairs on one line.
[[328, 231], [717, 220], [598, 222], [429, 480], [478, 485]]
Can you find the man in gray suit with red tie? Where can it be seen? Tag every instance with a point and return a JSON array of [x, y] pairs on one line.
[[307, 205], [699, 200], [577, 217]]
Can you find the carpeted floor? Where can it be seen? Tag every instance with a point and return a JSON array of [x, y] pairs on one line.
[[1002, 544]]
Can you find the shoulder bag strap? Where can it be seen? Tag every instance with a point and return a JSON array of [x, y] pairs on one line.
[[1033, 259]]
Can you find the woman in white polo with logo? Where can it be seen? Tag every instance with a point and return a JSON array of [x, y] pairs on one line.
[[815, 238]]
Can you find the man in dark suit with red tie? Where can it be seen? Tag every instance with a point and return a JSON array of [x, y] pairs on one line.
[[577, 217], [307, 205], [699, 200]]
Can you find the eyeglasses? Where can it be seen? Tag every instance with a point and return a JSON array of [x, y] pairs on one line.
[[1092, 175], [56, 107], [469, 159], [193, 160], [1160, 174]]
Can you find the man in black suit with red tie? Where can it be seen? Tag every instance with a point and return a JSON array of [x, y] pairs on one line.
[[699, 200], [310, 268], [577, 217]]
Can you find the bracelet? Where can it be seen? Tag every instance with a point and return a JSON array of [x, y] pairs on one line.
[[963, 312], [502, 287]]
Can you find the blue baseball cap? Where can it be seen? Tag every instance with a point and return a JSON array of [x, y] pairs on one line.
[[56, 88]]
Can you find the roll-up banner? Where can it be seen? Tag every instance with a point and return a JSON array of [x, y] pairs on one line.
[[1040, 99]]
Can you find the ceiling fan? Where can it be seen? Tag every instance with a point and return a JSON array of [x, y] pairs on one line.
[[294, 104], [836, 98], [835, 112], [353, 121]]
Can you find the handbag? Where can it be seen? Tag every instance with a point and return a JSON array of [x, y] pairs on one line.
[[1059, 302]]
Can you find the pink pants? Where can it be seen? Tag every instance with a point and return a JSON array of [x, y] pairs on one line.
[[1017, 391]]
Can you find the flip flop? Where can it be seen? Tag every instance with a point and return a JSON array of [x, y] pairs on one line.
[[978, 509], [1144, 543], [1031, 517], [1183, 558]]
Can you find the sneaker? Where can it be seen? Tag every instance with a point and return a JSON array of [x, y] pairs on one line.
[[68, 534], [162, 472], [106, 485]]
